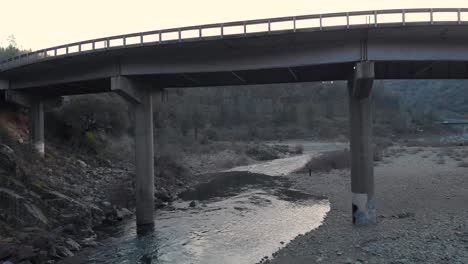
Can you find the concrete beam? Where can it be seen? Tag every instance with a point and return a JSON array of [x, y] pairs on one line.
[[25, 100], [362, 80], [362, 170], [126, 88]]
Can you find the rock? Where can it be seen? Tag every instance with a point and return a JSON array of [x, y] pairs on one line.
[[7, 159], [25, 252], [193, 203], [70, 229], [82, 164], [64, 252], [405, 215], [90, 241], [72, 244], [19, 211], [146, 259], [123, 213]]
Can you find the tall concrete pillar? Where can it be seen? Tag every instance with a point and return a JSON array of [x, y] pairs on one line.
[[144, 161], [36, 117], [362, 170], [140, 96]]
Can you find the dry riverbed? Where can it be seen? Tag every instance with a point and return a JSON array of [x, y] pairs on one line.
[[422, 214]]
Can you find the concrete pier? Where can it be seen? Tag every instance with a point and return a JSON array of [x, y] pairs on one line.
[[144, 160], [36, 117], [140, 95], [362, 170]]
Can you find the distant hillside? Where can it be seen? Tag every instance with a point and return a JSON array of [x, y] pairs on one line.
[[445, 98]]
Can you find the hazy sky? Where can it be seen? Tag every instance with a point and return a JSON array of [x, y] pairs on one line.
[[45, 23]]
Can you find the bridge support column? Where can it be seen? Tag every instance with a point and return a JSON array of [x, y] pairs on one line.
[[362, 170], [36, 116], [141, 97], [36, 121]]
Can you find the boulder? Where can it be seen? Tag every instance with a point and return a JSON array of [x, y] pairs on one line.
[[7, 158], [123, 213], [64, 252], [18, 211], [82, 164], [72, 244]]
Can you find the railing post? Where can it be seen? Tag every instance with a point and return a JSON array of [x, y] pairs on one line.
[[459, 16], [66, 50], [55, 52], [180, 35], [160, 37], [93, 46], [294, 24], [107, 43], [245, 29], [222, 30], [347, 20], [269, 25], [320, 18], [375, 19], [432, 16], [141, 40], [200, 33], [79, 47], [124, 41], [403, 17]]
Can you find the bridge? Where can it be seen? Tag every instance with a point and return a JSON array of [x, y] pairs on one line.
[[357, 47]]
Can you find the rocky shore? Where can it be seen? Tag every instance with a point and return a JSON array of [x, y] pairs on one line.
[[54, 207], [51, 207]]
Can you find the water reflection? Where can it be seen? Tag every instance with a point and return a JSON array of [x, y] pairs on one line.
[[240, 218]]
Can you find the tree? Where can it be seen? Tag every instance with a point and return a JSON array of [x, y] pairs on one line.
[[12, 42]]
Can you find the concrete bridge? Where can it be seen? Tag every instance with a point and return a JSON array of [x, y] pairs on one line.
[[358, 47]]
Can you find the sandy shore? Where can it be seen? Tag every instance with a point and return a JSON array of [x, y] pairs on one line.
[[422, 203]]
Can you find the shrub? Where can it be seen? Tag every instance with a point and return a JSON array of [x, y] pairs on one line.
[[339, 159], [262, 152], [85, 121], [298, 149], [211, 134]]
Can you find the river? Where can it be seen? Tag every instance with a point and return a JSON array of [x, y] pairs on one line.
[[239, 217]]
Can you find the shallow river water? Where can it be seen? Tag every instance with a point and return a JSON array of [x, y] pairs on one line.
[[240, 218]]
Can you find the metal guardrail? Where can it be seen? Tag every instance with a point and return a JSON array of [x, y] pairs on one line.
[[123, 40]]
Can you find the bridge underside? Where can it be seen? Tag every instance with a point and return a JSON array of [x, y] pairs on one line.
[[300, 74]]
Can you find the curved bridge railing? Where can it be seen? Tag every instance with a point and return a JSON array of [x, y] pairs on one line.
[[343, 20]]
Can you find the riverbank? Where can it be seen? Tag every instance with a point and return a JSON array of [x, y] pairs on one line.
[[421, 197], [51, 208]]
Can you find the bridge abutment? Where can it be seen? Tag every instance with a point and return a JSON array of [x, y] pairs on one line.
[[140, 95], [362, 170]]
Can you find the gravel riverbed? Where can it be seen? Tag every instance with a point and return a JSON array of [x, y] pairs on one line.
[[422, 196]]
